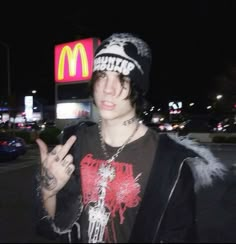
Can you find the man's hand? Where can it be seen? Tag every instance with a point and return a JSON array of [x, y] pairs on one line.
[[56, 167]]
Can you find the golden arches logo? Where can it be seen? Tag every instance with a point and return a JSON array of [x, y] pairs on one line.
[[72, 55]]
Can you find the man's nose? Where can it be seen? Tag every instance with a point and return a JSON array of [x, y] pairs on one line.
[[109, 87]]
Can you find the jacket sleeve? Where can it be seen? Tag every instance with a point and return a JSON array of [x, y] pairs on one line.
[[41, 220], [68, 207], [179, 220]]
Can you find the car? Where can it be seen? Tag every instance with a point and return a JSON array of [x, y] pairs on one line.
[[71, 129], [11, 146], [32, 125], [226, 125]]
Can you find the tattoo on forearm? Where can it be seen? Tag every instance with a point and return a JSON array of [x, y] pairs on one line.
[[48, 180]]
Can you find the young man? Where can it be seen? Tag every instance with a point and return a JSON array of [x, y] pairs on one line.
[[117, 180]]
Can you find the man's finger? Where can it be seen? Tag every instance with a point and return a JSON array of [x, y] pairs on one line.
[[66, 147], [70, 168], [43, 148]]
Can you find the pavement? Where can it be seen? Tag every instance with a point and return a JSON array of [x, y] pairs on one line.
[[217, 211]]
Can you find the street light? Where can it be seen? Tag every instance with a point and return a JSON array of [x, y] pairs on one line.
[[37, 102], [5, 45]]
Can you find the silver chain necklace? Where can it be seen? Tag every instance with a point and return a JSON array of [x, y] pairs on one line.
[[99, 214], [120, 149]]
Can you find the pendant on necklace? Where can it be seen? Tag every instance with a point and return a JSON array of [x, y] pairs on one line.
[[107, 171]]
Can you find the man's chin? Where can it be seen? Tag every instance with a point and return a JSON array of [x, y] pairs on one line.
[[107, 115]]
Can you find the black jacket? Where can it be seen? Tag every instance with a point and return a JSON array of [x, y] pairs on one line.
[[167, 212]]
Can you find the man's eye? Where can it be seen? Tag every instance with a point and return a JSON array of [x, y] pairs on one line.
[[126, 79], [126, 82]]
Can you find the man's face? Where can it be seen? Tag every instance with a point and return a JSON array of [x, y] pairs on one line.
[[110, 96]]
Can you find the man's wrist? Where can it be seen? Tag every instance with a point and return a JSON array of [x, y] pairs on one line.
[[47, 194]]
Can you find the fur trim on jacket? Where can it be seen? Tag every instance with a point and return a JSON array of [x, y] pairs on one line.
[[206, 167]]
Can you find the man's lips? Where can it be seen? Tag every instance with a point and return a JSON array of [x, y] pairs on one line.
[[107, 105]]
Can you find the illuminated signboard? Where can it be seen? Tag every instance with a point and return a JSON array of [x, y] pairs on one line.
[[73, 110], [29, 107], [73, 60], [175, 107]]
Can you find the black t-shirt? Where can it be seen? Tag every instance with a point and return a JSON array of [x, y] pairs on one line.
[[110, 205]]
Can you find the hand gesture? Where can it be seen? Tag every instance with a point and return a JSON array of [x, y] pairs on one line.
[[56, 166]]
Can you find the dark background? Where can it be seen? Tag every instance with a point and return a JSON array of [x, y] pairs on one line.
[[193, 43]]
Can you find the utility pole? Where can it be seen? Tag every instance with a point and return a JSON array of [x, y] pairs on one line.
[[7, 47], [10, 99]]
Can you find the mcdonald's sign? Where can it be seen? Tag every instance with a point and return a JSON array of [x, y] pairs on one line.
[[74, 60]]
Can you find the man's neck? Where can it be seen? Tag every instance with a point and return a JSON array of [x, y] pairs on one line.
[[115, 133]]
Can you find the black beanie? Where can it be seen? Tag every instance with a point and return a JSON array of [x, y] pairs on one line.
[[126, 54]]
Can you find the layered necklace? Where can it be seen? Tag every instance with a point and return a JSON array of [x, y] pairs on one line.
[[98, 213]]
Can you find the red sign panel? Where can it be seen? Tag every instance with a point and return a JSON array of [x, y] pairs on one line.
[[74, 60]]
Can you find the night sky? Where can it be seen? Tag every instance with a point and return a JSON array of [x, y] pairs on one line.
[[193, 42]]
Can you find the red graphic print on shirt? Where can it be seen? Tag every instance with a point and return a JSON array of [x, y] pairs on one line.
[[121, 193]]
